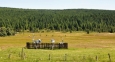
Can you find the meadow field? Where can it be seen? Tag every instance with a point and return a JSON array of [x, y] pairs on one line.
[[82, 47]]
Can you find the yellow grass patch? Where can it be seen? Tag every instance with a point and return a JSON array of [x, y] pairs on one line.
[[75, 40]]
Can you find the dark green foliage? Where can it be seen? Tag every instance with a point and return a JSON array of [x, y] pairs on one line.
[[70, 31], [3, 31], [87, 31], [111, 30], [6, 31], [60, 20]]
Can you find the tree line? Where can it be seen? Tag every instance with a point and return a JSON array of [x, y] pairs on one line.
[[34, 20]]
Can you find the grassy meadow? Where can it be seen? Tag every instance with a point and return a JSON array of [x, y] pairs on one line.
[[82, 47]]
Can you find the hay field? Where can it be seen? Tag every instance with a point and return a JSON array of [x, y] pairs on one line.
[[93, 47], [75, 40]]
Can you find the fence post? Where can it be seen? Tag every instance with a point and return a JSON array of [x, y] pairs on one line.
[[9, 56], [96, 58], [49, 57], [22, 54], [109, 57], [65, 57]]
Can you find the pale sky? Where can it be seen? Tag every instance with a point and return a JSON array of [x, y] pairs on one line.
[[59, 4]]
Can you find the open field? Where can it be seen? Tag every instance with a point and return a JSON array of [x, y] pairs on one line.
[[75, 40], [93, 47]]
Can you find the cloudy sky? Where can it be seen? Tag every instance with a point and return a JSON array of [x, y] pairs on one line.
[[59, 4]]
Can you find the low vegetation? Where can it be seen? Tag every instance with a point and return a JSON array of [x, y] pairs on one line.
[[83, 47]]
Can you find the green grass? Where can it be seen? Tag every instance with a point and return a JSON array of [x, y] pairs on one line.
[[79, 55], [82, 47]]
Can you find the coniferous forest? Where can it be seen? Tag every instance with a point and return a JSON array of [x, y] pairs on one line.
[[33, 20]]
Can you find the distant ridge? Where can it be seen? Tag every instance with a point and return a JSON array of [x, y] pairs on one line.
[[57, 9]]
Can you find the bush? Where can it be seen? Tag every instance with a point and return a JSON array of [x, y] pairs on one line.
[[87, 31], [6, 31]]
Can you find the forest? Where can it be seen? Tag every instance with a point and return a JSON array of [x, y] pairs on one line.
[[14, 20]]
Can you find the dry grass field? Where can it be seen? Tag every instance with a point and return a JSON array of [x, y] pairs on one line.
[[93, 47], [75, 40]]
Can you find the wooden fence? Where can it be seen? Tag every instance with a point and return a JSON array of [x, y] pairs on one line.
[[30, 45]]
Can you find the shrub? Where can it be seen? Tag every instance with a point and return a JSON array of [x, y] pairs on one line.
[[6, 31]]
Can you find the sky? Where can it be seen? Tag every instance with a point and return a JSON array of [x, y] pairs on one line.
[[59, 4]]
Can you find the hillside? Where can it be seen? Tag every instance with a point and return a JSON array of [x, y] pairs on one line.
[[60, 20]]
